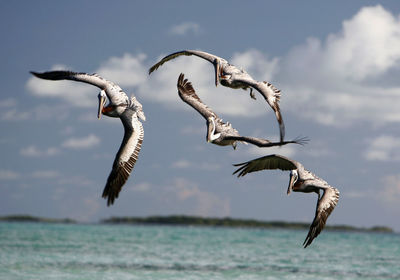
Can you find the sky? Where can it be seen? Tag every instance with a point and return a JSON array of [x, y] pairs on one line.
[[335, 62]]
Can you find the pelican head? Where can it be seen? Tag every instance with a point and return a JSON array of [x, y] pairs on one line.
[[102, 101], [293, 179], [211, 136]]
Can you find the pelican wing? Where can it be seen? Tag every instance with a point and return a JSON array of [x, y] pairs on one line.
[[266, 162], [126, 157], [113, 91], [262, 143], [210, 57], [325, 206], [271, 94], [188, 95]]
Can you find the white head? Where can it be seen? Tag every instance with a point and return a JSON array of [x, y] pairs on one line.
[[102, 101], [294, 176], [211, 136]]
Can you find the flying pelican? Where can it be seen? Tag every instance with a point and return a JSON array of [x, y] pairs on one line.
[[301, 180], [231, 76], [219, 132], [119, 106]]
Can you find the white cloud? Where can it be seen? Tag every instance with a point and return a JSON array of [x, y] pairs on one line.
[[12, 114], [131, 71], [182, 163], [184, 28], [286, 150], [184, 195], [141, 187], [8, 175], [45, 174], [390, 192], [342, 80], [368, 45], [9, 102], [75, 181], [68, 130], [204, 203], [337, 81], [126, 71], [78, 94], [81, 143], [384, 148], [224, 101], [255, 62], [33, 151], [193, 130]]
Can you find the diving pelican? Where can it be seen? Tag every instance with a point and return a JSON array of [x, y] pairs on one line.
[[119, 106], [233, 77], [301, 180], [219, 132]]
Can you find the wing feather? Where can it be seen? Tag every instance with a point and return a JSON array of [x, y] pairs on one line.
[[126, 157], [271, 94], [324, 208], [188, 95], [92, 79], [113, 91], [263, 143], [267, 162], [211, 58]]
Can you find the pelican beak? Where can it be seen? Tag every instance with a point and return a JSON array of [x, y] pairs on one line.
[[210, 127], [291, 181], [101, 105], [217, 72]]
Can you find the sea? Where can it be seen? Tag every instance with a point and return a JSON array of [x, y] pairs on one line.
[[99, 251]]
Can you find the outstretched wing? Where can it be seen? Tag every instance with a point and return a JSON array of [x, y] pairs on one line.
[[263, 143], [188, 94], [126, 157], [113, 91], [271, 94], [266, 162], [325, 206], [210, 57]]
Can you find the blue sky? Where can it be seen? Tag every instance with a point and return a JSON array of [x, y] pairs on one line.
[[336, 63]]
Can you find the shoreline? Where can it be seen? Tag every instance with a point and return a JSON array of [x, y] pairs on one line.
[[183, 220]]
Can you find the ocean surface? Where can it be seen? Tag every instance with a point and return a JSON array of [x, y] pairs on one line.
[[77, 251]]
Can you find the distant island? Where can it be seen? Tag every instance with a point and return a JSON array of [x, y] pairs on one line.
[[230, 222], [28, 218], [198, 221]]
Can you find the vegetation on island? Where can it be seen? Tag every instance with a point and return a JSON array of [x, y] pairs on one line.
[[229, 222], [28, 218], [198, 221]]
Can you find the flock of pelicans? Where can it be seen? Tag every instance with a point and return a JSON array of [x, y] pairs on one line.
[[129, 110]]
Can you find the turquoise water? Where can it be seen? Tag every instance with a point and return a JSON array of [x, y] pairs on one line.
[[58, 251]]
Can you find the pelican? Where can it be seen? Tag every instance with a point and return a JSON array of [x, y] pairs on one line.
[[301, 180], [219, 132], [119, 106], [231, 76]]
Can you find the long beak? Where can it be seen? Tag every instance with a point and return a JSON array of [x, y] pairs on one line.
[[290, 187], [217, 72], [101, 105], [210, 128]]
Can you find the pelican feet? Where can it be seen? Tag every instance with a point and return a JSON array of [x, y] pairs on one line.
[[252, 95]]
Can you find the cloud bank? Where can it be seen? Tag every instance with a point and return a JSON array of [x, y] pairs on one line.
[[185, 28], [343, 79]]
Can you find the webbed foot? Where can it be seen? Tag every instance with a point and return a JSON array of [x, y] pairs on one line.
[[252, 95]]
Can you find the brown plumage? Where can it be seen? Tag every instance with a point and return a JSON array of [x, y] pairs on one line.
[[233, 77], [219, 132], [120, 106], [301, 180]]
